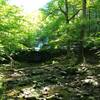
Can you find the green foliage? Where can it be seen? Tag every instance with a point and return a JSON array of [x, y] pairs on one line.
[[14, 28], [62, 34], [18, 31]]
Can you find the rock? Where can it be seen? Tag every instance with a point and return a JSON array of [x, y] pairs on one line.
[[29, 93], [30, 98], [31, 56], [91, 82], [4, 59], [10, 84]]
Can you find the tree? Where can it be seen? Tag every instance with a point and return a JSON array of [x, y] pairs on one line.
[[14, 28], [82, 33]]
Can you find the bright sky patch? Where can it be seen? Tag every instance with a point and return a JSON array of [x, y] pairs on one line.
[[29, 5]]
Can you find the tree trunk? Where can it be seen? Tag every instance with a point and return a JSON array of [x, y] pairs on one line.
[[84, 8], [82, 34], [66, 10]]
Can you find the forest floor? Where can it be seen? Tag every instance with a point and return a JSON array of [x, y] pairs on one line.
[[50, 81]]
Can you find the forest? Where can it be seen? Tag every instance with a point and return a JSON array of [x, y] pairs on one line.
[[52, 53]]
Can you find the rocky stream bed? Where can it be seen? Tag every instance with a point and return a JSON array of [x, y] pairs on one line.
[[49, 81]]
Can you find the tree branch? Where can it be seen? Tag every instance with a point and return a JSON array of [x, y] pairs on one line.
[[74, 15], [61, 9]]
